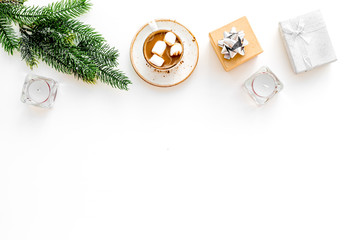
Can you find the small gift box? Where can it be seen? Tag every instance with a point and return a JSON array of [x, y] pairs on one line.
[[235, 43], [307, 41]]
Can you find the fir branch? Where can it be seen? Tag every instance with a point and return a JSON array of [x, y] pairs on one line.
[[60, 55], [68, 60], [102, 53], [27, 52], [8, 38], [27, 15], [113, 77], [20, 14], [68, 8], [13, 1], [82, 32], [52, 35]]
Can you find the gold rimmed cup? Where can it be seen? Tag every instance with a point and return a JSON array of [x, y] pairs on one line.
[[169, 61]]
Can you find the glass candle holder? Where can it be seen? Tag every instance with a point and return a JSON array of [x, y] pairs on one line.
[[39, 91], [263, 85]]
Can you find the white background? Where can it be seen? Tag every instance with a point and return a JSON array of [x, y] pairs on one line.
[[192, 162]]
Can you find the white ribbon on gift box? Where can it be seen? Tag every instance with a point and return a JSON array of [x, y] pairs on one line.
[[298, 34]]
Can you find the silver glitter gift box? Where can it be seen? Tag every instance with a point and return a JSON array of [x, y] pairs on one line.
[[307, 41]]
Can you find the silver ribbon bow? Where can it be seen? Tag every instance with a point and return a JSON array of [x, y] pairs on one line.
[[299, 36], [233, 43]]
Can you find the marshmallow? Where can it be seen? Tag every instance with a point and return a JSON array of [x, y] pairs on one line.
[[176, 50], [156, 60], [170, 38], [159, 48]]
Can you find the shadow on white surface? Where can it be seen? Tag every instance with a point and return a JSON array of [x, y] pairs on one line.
[[33, 118]]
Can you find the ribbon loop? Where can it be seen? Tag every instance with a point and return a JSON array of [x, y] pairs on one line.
[[298, 32]]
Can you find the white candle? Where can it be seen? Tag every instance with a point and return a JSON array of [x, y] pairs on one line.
[[39, 91], [264, 85]]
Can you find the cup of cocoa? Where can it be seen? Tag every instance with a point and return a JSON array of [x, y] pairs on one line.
[[163, 49]]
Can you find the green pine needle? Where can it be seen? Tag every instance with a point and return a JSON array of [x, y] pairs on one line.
[[8, 38], [53, 35], [68, 8], [27, 52], [102, 53], [27, 15], [113, 77]]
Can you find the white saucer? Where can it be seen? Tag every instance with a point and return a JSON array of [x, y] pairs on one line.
[[174, 76]]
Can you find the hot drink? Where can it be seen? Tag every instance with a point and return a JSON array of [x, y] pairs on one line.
[[163, 49]]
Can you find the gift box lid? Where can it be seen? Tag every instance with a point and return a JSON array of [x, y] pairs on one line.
[[251, 50]]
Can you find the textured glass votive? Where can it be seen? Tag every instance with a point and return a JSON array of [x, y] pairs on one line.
[[263, 85], [39, 91]]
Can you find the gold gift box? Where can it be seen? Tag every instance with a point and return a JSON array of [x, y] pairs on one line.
[[251, 50]]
